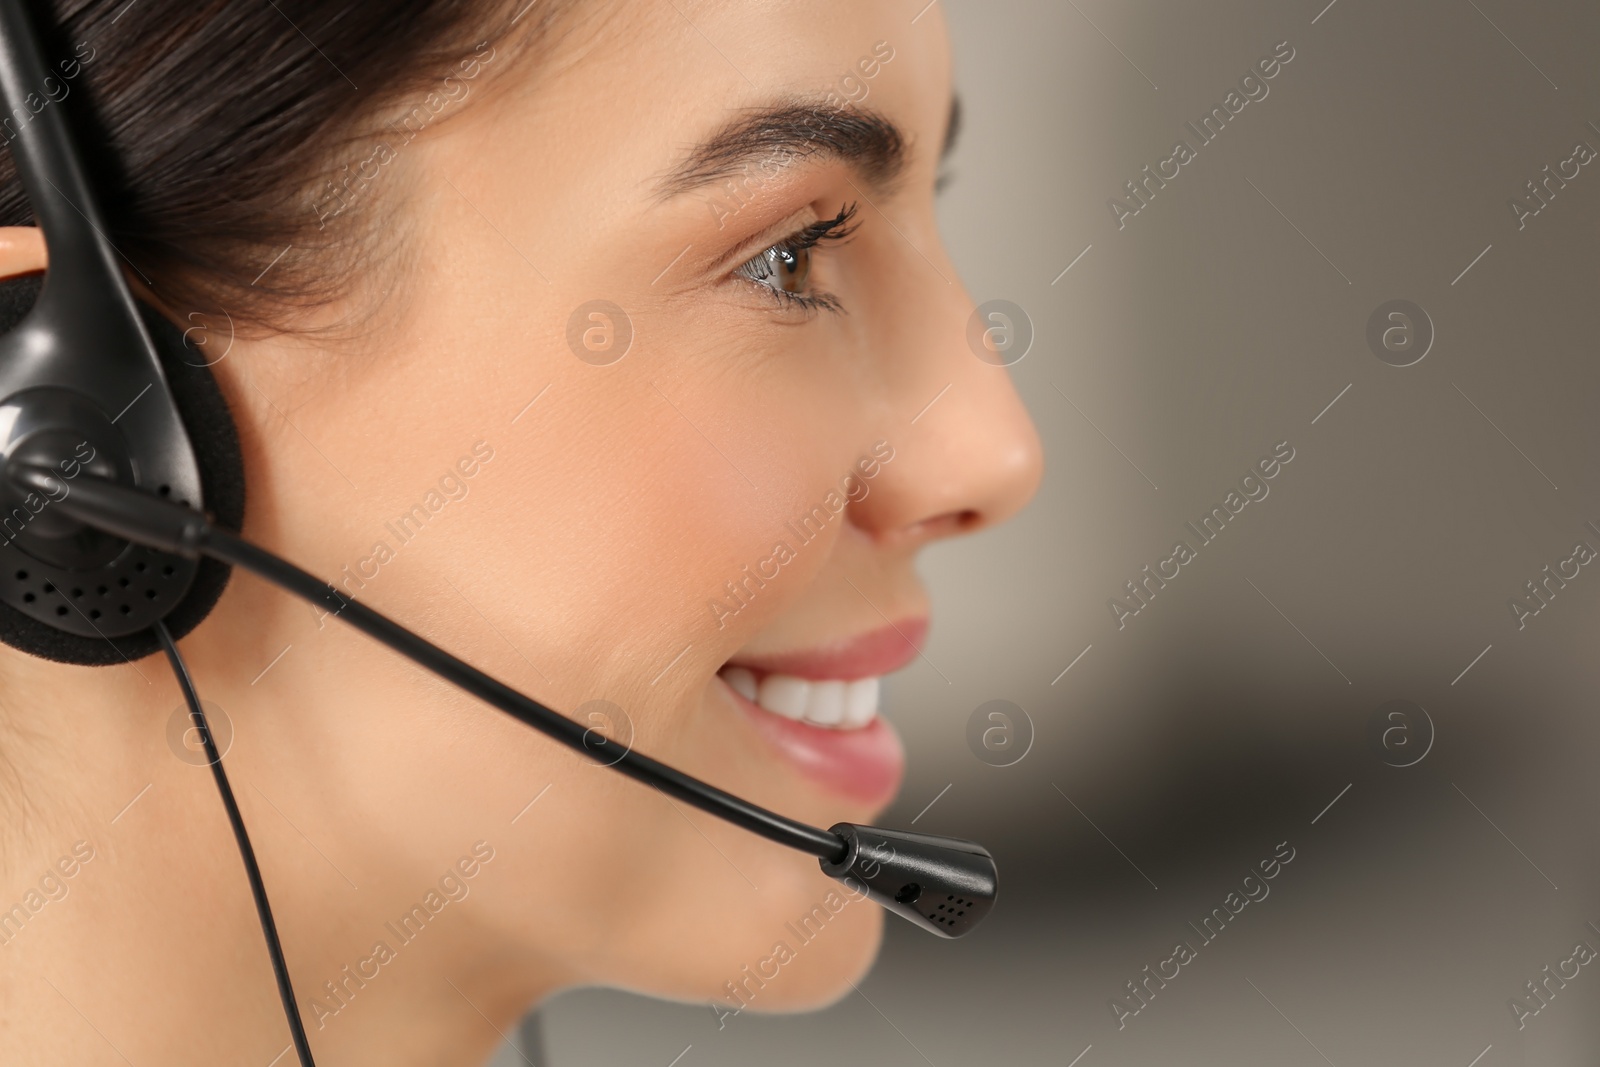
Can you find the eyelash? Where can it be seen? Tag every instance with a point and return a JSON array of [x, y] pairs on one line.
[[758, 269]]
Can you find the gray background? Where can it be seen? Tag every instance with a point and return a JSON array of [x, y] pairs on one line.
[[1226, 717]]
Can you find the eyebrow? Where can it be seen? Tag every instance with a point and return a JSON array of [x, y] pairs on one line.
[[777, 135]]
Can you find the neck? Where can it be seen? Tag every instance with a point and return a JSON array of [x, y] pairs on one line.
[[126, 919]]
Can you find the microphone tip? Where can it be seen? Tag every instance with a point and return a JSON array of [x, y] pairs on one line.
[[942, 884]]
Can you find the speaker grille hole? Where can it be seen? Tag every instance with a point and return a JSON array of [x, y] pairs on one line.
[[123, 597]]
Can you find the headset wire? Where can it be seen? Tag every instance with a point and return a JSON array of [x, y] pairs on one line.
[[258, 889]]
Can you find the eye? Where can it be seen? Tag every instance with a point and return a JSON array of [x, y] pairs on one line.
[[784, 269], [780, 267]]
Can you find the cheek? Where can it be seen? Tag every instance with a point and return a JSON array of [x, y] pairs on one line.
[[689, 484], [630, 526]]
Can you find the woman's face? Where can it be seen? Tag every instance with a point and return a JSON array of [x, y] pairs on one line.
[[620, 439]]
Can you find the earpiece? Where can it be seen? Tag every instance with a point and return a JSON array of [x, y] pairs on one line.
[[67, 592]]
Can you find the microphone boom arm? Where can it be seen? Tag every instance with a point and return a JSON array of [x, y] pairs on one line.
[[904, 872]]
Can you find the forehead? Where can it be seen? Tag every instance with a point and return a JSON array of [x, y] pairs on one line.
[[626, 91]]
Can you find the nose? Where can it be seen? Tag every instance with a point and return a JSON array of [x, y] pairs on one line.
[[967, 455]]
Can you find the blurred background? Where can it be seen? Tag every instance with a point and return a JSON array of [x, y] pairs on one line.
[[1339, 676]]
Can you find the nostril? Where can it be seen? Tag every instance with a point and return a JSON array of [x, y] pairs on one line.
[[949, 524]]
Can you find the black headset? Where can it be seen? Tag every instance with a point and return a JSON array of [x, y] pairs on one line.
[[122, 491]]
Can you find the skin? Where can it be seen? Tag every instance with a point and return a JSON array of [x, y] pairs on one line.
[[578, 566]]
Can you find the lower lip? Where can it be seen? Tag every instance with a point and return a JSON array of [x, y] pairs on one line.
[[866, 764]]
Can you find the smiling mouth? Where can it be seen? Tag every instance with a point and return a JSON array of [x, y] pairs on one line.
[[819, 708], [832, 703]]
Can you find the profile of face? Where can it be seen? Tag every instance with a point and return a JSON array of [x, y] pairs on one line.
[[673, 388]]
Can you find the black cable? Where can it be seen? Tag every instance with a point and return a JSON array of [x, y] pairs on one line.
[[168, 526], [219, 544], [258, 890]]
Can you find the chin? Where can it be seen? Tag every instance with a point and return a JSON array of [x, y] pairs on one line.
[[813, 961]]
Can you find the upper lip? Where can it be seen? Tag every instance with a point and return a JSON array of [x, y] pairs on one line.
[[865, 655]]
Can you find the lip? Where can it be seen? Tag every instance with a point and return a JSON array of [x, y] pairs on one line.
[[866, 655], [864, 765]]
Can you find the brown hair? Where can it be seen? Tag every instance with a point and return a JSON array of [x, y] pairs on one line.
[[233, 140]]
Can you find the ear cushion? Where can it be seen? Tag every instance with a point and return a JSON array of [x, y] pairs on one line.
[[209, 423]]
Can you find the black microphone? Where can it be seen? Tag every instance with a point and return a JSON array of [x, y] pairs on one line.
[[942, 884]]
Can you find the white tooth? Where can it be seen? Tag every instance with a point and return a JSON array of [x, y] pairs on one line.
[[826, 706], [784, 694], [741, 681], [861, 702]]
